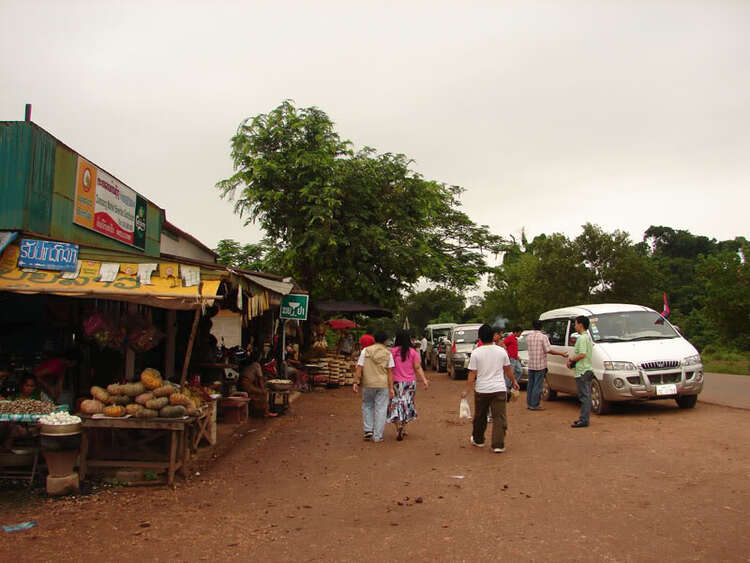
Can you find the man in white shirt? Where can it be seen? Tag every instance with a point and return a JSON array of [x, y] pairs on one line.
[[375, 373], [487, 366], [423, 350]]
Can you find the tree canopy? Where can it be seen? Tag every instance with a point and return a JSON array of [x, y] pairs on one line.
[[349, 225]]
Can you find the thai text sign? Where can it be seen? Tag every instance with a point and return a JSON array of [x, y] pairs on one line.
[[48, 255], [294, 307], [109, 207]]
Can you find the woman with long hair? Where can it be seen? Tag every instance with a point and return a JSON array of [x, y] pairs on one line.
[[408, 365]]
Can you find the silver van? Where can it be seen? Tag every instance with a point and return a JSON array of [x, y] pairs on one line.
[[638, 355], [437, 360]]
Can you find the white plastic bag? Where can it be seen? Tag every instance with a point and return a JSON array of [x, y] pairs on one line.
[[463, 410]]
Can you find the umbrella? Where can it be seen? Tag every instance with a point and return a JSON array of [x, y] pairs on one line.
[[339, 324]]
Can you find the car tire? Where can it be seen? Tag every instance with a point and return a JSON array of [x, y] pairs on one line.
[[548, 394], [599, 404], [686, 401]]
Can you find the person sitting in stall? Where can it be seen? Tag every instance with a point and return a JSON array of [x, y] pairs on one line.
[[12, 431], [253, 383], [345, 345], [50, 374]]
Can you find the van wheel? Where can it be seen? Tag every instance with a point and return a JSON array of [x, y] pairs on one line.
[[686, 401], [548, 394], [598, 403]]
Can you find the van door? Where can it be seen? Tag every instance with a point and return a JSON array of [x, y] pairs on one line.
[[556, 330], [570, 374]]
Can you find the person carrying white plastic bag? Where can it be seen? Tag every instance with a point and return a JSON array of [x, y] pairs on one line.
[[487, 366]]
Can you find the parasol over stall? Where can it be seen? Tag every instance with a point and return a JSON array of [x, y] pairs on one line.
[[340, 324]]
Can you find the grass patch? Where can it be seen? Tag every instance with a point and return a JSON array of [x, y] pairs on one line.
[[735, 363]]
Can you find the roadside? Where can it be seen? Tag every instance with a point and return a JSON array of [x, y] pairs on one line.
[[649, 482], [726, 390]]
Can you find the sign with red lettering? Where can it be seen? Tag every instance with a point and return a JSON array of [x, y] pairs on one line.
[[109, 207]]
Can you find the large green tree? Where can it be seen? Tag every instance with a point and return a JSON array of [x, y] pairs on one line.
[[247, 256], [349, 225]]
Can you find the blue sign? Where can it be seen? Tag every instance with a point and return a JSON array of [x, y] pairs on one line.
[[48, 255]]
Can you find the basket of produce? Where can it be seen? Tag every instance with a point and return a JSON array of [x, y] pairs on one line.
[[280, 384], [59, 424], [25, 410]]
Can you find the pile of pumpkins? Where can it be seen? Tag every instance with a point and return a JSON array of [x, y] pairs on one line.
[[152, 397]]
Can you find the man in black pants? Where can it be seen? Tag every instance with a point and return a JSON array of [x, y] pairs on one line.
[[487, 366]]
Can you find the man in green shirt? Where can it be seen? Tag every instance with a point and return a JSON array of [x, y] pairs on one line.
[[581, 361]]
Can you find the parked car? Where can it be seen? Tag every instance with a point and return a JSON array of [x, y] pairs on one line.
[[463, 340], [637, 355], [523, 356], [434, 333]]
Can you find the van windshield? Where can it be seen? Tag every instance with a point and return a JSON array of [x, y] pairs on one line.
[[467, 335], [438, 333], [630, 326]]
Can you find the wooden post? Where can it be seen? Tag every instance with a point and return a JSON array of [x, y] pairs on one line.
[[189, 350]]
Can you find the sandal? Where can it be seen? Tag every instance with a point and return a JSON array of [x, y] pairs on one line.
[[400, 434]]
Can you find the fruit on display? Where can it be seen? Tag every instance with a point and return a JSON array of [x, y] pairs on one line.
[[59, 419], [174, 411], [114, 389], [179, 399], [146, 413], [92, 406], [143, 398], [164, 390], [114, 411], [157, 403], [119, 400], [133, 389], [151, 378], [133, 408], [99, 394]]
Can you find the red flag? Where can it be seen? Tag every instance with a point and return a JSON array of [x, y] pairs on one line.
[[665, 310]]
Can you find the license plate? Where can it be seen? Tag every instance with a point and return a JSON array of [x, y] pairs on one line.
[[666, 389]]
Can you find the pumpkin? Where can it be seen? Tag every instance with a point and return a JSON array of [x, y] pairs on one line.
[[91, 406], [100, 394], [144, 397], [164, 390], [179, 399], [156, 404], [119, 399], [133, 389], [147, 413], [114, 410], [133, 408], [193, 411], [172, 411], [114, 389], [151, 378]]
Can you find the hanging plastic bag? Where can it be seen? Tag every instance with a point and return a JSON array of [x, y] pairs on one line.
[[513, 394], [463, 410]]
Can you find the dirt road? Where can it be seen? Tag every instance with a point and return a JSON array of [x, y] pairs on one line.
[[647, 483]]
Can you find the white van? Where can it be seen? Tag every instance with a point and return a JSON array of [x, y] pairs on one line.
[[638, 355], [436, 359]]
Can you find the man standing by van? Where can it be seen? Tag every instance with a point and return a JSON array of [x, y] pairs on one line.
[[581, 360], [539, 346]]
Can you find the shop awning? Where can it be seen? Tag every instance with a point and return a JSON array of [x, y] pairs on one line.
[[164, 292], [351, 307], [277, 286]]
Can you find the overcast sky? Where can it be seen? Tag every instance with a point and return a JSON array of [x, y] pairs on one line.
[[550, 114]]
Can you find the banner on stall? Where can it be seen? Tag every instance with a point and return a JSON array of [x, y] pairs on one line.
[[109, 207], [48, 255]]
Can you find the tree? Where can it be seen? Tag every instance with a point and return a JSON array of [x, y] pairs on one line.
[[433, 306], [349, 225], [247, 256]]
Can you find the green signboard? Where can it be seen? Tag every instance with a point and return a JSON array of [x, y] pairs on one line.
[[294, 307]]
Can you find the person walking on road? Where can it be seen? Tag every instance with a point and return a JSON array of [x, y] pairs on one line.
[[538, 346], [422, 350], [375, 373], [511, 346], [581, 361], [406, 368], [487, 366]]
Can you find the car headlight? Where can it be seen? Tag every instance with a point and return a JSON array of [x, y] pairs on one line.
[[619, 366], [692, 360]]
